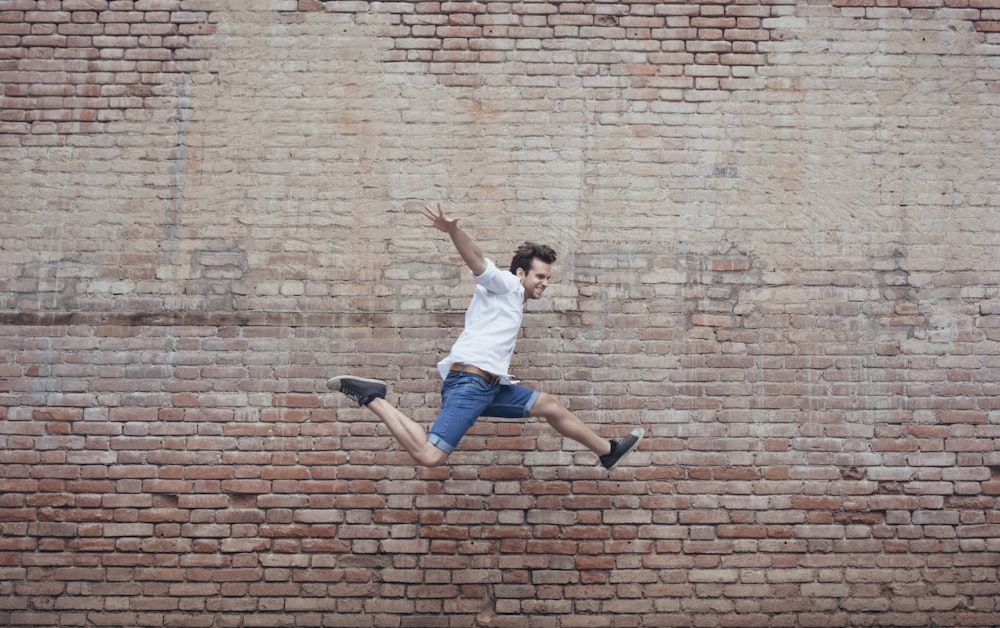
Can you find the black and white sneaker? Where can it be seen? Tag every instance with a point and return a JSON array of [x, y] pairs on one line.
[[360, 389], [620, 447]]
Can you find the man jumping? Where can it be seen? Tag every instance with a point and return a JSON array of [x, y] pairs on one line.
[[476, 381]]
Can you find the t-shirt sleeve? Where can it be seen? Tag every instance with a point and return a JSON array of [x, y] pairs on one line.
[[497, 281]]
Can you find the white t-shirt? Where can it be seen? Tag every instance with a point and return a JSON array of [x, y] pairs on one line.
[[492, 324]]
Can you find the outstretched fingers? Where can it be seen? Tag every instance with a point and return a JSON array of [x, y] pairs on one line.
[[429, 212], [438, 219]]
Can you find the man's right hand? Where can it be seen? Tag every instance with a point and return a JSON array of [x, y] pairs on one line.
[[469, 250], [439, 221]]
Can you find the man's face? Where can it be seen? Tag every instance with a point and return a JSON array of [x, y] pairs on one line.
[[536, 280]]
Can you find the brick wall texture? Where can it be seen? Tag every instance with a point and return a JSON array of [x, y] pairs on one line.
[[778, 231]]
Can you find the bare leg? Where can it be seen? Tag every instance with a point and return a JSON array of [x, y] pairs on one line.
[[567, 424], [409, 433]]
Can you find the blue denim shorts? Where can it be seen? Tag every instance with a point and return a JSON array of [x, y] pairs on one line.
[[465, 397]]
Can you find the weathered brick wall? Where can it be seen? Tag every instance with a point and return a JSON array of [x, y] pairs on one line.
[[778, 230]]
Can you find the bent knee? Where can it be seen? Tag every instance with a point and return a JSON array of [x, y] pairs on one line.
[[431, 457], [547, 406]]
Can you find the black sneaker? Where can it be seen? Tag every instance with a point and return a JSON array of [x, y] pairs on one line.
[[622, 446], [360, 389]]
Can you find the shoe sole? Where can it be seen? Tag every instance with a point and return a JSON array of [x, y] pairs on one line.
[[334, 383], [641, 434]]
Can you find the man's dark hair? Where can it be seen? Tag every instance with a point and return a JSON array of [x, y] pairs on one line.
[[529, 251]]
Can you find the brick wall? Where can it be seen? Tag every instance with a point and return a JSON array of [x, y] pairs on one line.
[[778, 230]]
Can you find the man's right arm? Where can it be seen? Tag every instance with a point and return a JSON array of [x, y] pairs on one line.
[[471, 254]]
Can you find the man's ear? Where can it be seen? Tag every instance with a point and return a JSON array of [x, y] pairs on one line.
[[520, 273]]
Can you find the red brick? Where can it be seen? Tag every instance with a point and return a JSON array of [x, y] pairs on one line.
[[742, 531], [962, 416], [296, 401]]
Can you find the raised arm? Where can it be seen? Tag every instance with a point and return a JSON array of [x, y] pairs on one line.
[[467, 248]]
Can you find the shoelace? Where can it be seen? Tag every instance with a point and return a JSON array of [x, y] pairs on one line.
[[350, 392]]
